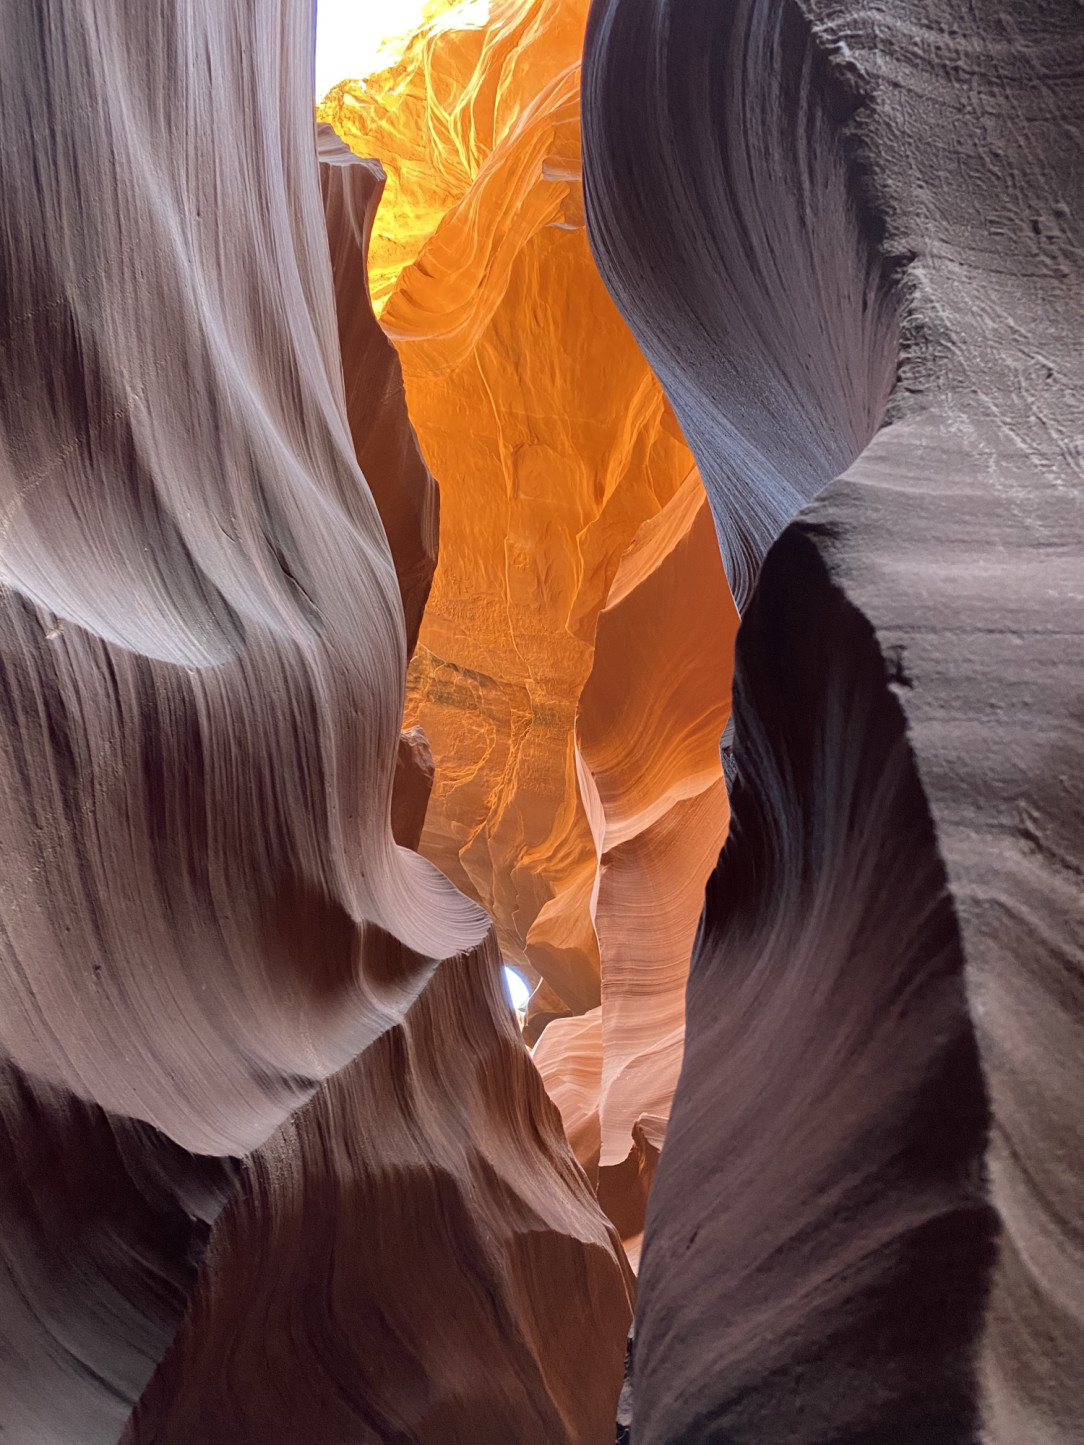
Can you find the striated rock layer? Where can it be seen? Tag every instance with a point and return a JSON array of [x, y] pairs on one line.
[[794, 203], [202, 639], [401, 1258], [647, 732], [553, 443], [208, 923]]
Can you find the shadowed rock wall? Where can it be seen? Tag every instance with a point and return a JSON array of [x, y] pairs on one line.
[[794, 204], [401, 1260], [403, 488]]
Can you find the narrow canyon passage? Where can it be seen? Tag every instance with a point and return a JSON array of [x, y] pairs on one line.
[[573, 667], [384, 473]]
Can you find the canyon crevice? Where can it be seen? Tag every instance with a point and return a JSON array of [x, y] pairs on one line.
[[599, 496]]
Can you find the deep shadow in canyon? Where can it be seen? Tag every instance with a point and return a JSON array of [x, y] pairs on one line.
[[851, 239]]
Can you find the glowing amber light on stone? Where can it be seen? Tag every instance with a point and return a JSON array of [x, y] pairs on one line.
[[553, 445]]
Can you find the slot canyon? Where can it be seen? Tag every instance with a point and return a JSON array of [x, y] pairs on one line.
[[542, 723]]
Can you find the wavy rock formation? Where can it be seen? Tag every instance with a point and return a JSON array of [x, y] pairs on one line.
[[275, 1163], [203, 645], [400, 1259], [648, 727], [572, 673], [207, 921], [552, 440], [794, 203]]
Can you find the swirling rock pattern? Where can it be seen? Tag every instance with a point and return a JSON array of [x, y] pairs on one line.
[[572, 673], [647, 731], [207, 916], [389, 1268], [552, 440], [793, 203], [202, 637], [274, 1162]]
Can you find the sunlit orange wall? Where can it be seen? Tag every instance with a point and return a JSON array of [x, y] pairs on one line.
[[550, 438]]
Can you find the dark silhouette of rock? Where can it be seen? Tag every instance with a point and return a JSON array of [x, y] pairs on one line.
[[405, 493]]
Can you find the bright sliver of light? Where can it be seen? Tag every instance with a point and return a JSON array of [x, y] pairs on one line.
[[355, 38], [515, 986]]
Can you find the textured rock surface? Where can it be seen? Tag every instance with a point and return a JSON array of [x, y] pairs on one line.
[[552, 441], [648, 726], [792, 205], [205, 914], [401, 1259]]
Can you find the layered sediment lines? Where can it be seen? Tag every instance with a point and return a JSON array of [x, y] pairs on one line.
[[207, 916], [553, 443], [647, 732], [907, 822], [203, 643], [399, 1260]]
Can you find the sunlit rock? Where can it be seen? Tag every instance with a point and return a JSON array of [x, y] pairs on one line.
[[552, 443], [648, 727]]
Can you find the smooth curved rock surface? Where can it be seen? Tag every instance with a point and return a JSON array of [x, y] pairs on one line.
[[723, 219], [945, 145], [647, 734], [202, 641], [551, 438], [414, 1256], [207, 914]]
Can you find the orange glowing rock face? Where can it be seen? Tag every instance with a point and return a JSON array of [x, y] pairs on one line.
[[648, 728], [553, 445]]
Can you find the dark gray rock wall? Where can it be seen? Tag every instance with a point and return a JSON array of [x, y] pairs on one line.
[[954, 134]]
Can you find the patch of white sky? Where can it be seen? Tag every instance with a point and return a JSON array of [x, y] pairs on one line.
[[515, 986], [355, 38]]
